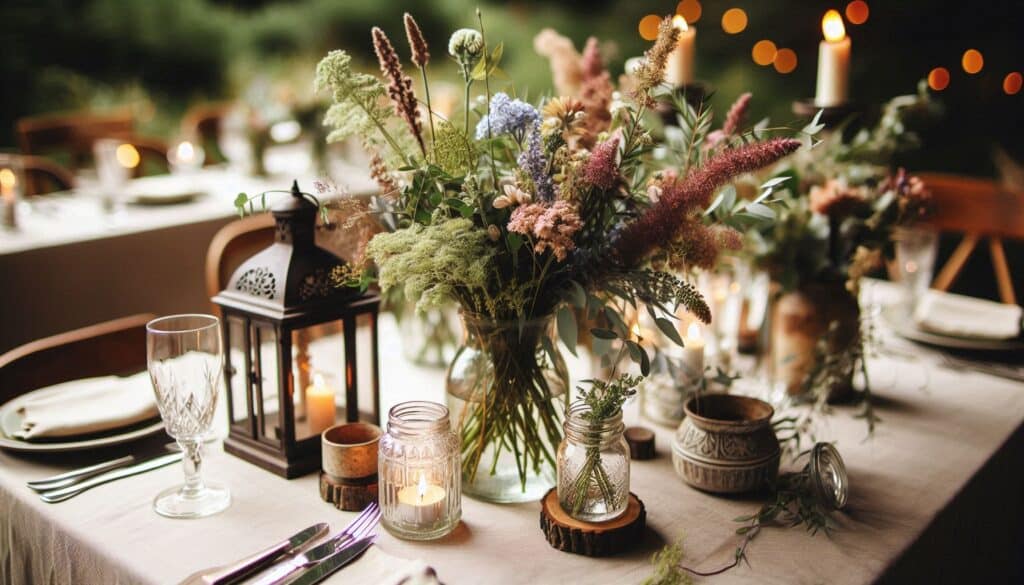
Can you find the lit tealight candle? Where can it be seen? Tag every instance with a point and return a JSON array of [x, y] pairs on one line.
[[320, 409], [679, 70], [693, 352], [422, 504], [833, 62]]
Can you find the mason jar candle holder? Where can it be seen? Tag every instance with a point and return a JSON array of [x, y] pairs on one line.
[[593, 466], [419, 472]]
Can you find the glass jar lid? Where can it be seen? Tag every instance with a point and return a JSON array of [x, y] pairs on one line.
[[828, 476]]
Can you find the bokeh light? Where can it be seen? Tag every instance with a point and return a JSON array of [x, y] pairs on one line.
[[972, 61], [649, 27], [734, 21], [690, 10], [938, 78], [857, 12], [785, 61], [127, 156], [1012, 83], [764, 52]]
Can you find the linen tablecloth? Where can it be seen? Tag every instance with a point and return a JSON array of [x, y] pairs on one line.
[[936, 496]]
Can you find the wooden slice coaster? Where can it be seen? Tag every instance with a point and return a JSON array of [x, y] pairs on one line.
[[351, 495], [593, 539]]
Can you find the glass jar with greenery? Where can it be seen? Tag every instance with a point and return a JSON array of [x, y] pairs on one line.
[[593, 459]]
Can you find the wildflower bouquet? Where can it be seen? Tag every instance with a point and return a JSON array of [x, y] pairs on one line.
[[517, 212]]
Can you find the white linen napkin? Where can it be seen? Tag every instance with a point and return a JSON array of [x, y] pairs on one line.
[[87, 406], [961, 316]]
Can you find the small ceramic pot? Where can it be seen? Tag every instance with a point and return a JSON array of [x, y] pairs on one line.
[[726, 444], [350, 450]]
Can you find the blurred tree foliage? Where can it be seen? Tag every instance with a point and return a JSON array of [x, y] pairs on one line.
[[160, 56]]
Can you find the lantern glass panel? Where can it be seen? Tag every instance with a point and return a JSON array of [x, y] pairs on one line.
[[318, 371], [268, 405], [365, 364], [236, 369]]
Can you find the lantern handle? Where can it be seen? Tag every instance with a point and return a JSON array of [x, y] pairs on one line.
[[246, 204]]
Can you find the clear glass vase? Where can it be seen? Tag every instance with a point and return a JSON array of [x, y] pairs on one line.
[[504, 386], [593, 467], [430, 338]]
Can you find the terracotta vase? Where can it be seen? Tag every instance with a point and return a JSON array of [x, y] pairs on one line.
[[726, 444], [800, 320]]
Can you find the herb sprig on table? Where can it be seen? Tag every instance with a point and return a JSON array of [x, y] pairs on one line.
[[794, 503]]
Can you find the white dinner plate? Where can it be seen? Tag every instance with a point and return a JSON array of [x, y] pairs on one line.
[[10, 423], [162, 190], [902, 323]]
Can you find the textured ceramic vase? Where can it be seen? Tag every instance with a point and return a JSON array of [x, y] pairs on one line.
[[726, 444]]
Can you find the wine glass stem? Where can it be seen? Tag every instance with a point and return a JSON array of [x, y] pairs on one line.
[[192, 460]]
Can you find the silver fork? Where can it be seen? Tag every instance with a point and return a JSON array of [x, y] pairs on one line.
[[364, 525]]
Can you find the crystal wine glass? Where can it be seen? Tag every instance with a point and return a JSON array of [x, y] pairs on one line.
[[185, 356]]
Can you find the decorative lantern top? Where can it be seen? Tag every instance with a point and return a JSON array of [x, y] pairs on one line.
[[293, 276]]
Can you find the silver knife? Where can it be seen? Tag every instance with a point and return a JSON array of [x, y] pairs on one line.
[[326, 567], [59, 495], [77, 475], [237, 571], [287, 568]]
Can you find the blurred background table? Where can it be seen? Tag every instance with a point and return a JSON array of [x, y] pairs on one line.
[[72, 264]]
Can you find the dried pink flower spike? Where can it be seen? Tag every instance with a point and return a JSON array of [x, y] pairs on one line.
[[418, 44], [602, 170], [399, 85]]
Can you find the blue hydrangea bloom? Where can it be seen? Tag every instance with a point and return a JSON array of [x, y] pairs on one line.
[[508, 116]]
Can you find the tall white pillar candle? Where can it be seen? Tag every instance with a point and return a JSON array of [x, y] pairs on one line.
[[679, 70], [833, 62]]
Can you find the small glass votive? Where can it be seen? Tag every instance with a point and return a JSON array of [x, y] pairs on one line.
[[419, 472], [186, 157], [916, 249]]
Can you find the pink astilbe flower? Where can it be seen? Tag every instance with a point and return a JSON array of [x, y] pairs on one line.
[[602, 170], [399, 85], [596, 92], [553, 226], [660, 224], [733, 120], [565, 61]]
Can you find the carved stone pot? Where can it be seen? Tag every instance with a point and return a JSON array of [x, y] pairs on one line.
[[800, 320], [726, 444]]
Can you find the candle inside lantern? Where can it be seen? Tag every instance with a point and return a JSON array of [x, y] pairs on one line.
[[320, 410], [679, 70], [833, 62], [693, 352], [421, 505]]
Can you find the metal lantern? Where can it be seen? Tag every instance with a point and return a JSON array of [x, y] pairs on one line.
[[291, 335]]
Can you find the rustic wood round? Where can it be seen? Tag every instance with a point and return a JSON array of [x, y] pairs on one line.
[[599, 539], [351, 495]]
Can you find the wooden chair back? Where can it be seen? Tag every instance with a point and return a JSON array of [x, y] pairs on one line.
[[232, 245], [202, 124], [113, 347], [979, 209], [43, 175]]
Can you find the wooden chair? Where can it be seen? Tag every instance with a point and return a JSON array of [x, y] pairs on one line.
[[114, 347], [978, 208], [43, 175], [202, 123], [232, 245], [73, 135]]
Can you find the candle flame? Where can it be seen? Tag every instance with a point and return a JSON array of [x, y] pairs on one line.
[[832, 26], [693, 332], [127, 156], [186, 151], [421, 488], [318, 380], [8, 179], [680, 23]]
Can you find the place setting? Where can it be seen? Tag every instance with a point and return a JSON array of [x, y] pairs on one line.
[[691, 294]]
